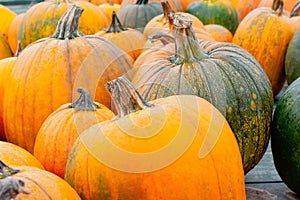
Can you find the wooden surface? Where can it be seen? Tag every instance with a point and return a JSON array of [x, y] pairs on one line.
[[265, 178]]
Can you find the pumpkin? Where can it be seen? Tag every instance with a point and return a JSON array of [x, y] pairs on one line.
[[95, 2], [220, 12], [4, 48], [222, 73], [266, 33], [285, 138], [129, 40], [163, 21], [41, 19], [185, 4], [292, 60], [5, 69], [47, 73], [137, 15], [288, 4], [174, 4], [219, 32], [152, 148], [29, 182], [13, 32], [14, 155], [295, 17], [61, 128], [7, 17], [110, 7], [246, 6]]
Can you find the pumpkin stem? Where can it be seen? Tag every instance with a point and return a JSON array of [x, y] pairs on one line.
[[296, 10], [84, 102], [141, 2], [163, 37], [166, 14], [19, 49], [115, 25], [186, 44], [277, 6], [125, 97], [67, 27], [6, 171], [11, 187]]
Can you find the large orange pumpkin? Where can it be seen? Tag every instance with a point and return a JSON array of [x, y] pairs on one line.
[[129, 40], [7, 17], [265, 33], [14, 155], [41, 19], [59, 131], [27, 182], [47, 73], [170, 148]]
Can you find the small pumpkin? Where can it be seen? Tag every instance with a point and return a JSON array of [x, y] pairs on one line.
[[41, 19], [129, 40], [7, 17], [62, 127], [137, 15], [110, 7], [151, 149], [215, 12], [219, 32], [27, 182], [222, 73], [292, 60], [285, 138], [265, 33], [40, 83], [14, 155]]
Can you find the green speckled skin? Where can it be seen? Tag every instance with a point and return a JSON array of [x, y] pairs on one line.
[[285, 136], [215, 12], [231, 79]]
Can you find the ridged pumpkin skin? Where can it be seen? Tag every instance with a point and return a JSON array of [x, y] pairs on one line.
[[7, 17], [266, 36], [48, 72], [14, 155], [215, 12], [62, 127], [292, 59], [4, 47], [5, 69], [137, 15], [13, 32], [153, 162], [222, 73], [129, 40], [285, 138], [40, 184], [41, 19]]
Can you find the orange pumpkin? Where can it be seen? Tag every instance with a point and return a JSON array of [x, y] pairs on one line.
[[265, 33], [175, 4], [28, 182], [129, 40], [47, 73], [110, 7], [219, 32], [14, 155], [4, 47], [62, 127], [152, 148], [163, 21], [7, 17], [246, 6], [13, 32], [41, 19]]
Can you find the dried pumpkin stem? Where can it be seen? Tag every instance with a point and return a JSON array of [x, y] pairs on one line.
[[125, 97], [67, 27], [186, 43], [6, 171], [19, 49], [11, 187], [115, 25], [277, 6], [296, 10], [166, 13], [140, 2], [84, 102]]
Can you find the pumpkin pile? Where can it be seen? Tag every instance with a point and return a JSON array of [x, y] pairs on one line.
[[147, 99]]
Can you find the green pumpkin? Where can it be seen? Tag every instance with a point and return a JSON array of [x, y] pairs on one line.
[[292, 59], [285, 136], [220, 12], [137, 15], [222, 73]]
